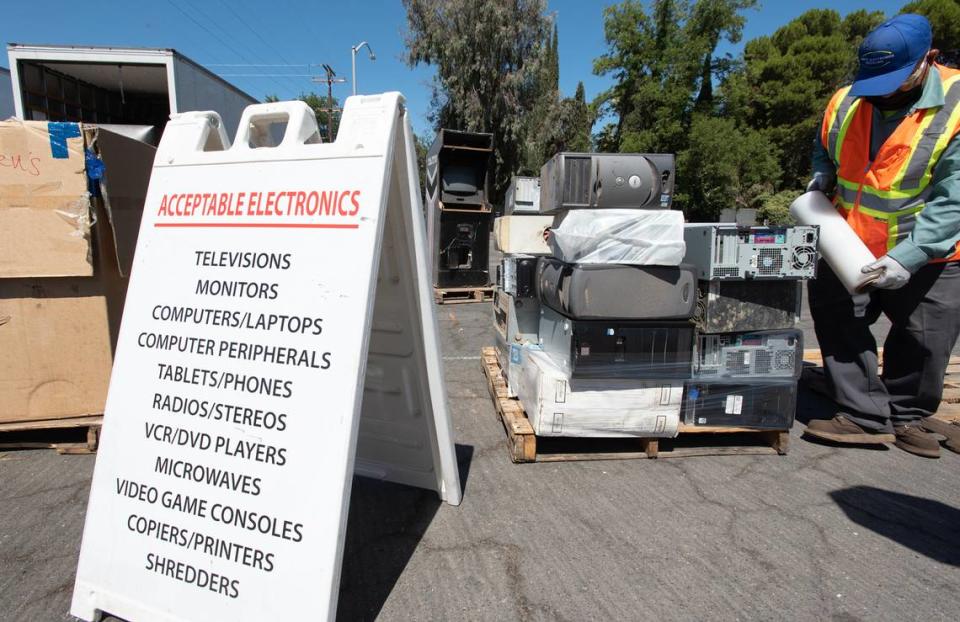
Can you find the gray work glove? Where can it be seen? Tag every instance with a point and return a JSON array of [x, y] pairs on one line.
[[892, 274], [824, 182]]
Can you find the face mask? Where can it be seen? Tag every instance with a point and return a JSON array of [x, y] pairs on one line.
[[899, 100]]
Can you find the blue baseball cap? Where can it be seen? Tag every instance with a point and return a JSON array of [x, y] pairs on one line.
[[889, 54]]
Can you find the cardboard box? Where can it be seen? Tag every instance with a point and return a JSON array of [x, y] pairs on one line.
[[63, 260]]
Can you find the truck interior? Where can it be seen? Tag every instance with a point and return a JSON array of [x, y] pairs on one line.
[[134, 94]]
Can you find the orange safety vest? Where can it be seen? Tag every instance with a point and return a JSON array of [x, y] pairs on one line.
[[881, 199]]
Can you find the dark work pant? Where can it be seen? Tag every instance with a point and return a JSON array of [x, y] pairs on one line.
[[925, 318]]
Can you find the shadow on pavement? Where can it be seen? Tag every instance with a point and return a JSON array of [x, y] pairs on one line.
[[923, 525], [385, 525], [812, 405]]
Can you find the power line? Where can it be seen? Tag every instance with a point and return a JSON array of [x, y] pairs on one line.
[[214, 34], [255, 32], [229, 34]]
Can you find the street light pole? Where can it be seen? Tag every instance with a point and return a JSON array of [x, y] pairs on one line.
[[353, 60]]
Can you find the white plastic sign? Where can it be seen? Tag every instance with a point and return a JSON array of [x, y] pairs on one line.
[[278, 322]]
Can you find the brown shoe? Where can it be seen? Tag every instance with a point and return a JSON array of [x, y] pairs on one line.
[[917, 442], [842, 430], [949, 433]]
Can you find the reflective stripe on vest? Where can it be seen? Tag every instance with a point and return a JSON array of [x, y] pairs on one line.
[[881, 198]]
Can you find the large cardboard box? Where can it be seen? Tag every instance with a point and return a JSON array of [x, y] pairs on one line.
[[64, 257]]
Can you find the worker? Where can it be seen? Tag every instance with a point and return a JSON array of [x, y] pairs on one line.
[[888, 153]]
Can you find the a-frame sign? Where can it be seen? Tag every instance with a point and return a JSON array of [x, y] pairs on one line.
[[278, 335]]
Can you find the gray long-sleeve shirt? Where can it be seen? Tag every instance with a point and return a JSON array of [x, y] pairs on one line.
[[938, 225]]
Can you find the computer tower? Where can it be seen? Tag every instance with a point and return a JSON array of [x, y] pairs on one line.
[[617, 348], [737, 306], [517, 318], [458, 209], [517, 276], [462, 251], [769, 404], [755, 355], [607, 291], [523, 196], [516, 323], [607, 180], [729, 251]]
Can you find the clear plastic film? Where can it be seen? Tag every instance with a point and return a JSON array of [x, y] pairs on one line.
[[606, 291], [764, 404], [80, 215], [614, 408], [840, 246], [656, 349], [749, 355], [619, 236], [736, 306]]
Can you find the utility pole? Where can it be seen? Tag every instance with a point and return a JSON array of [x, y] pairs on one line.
[[330, 79]]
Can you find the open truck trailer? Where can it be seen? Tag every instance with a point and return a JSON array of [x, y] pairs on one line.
[[106, 85]]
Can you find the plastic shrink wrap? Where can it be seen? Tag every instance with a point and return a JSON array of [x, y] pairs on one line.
[[736, 306], [842, 249], [619, 236], [764, 404], [560, 406], [606, 291], [753, 355], [617, 348]]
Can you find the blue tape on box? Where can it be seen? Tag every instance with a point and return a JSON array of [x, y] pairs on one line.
[[59, 133], [95, 168]]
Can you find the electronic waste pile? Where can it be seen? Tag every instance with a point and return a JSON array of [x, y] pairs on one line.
[[614, 318]]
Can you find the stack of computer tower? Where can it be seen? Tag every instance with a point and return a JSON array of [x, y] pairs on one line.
[[520, 235], [458, 208], [614, 341], [748, 350]]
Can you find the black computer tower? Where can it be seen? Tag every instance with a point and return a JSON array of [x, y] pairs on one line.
[[617, 348], [765, 404]]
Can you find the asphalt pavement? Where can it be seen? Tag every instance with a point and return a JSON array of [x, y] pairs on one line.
[[824, 533]]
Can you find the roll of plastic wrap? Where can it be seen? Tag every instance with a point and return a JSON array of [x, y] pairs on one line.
[[839, 245]]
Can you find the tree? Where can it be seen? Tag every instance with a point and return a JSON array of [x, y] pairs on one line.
[[726, 166], [650, 67], [664, 65], [556, 123], [944, 16], [710, 21], [320, 105], [788, 77], [542, 119], [422, 146], [488, 58]]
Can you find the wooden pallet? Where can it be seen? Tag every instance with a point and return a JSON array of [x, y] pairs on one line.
[[460, 295], [949, 409], [525, 446], [78, 435]]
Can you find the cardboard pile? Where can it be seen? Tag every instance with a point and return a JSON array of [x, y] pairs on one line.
[[65, 253]]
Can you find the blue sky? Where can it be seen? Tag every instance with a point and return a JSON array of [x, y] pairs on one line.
[[229, 32]]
